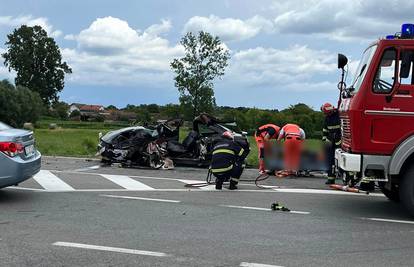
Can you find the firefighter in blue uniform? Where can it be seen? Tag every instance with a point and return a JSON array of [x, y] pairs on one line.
[[331, 136], [227, 161]]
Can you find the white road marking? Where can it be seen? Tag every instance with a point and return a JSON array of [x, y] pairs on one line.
[[160, 178], [142, 198], [208, 187], [389, 220], [49, 181], [323, 192], [95, 167], [111, 249], [251, 264], [127, 182], [262, 209], [24, 188]]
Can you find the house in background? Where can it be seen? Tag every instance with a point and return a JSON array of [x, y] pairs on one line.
[[87, 111], [73, 107]]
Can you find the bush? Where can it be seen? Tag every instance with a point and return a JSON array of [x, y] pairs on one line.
[[19, 104], [75, 114], [100, 118], [89, 145]]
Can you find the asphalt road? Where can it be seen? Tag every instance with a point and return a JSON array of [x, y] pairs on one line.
[[75, 213]]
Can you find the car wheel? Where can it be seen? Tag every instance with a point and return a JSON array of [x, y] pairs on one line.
[[407, 190]]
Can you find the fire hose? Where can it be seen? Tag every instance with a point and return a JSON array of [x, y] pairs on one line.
[[209, 178]]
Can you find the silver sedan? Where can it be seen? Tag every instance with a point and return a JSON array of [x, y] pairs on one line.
[[19, 159]]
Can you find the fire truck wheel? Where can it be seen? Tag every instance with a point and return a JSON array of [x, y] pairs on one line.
[[407, 190], [393, 194]]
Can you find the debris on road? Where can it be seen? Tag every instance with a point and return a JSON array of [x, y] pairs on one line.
[[347, 188], [276, 206]]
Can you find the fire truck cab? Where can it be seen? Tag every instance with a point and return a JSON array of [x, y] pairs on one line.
[[377, 118]]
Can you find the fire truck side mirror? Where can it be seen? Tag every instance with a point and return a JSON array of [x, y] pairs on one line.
[[342, 61], [406, 59]]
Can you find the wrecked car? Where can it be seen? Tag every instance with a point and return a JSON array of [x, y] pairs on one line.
[[160, 147]]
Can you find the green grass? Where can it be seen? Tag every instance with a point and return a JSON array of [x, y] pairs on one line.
[[67, 142], [44, 124], [79, 140]]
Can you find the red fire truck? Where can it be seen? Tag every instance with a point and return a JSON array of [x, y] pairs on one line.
[[377, 116]]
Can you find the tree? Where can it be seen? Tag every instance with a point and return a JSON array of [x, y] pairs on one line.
[[37, 61], [60, 110], [111, 107], [75, 114], [18, 104], [205, 59], [170, 111]]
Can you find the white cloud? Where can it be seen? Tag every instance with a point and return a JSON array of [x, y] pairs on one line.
[[110, 52], [229, 29], [341, 19], [10, 21], [4, 72], [157, 29], [284, 68]]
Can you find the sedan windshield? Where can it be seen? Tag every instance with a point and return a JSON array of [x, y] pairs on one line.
[[362, 68], [4, 126]]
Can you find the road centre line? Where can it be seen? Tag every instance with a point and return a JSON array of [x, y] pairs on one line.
[[251, 264], [263, 209], [111, 249], [389, 220], [142, 198]]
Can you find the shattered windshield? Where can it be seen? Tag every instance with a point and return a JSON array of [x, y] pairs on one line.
[[360, 72]]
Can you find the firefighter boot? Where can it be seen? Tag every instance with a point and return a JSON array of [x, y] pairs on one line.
[[219, 184], [233, 185]]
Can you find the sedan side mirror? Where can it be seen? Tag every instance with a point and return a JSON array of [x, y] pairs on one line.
[[342, 61]]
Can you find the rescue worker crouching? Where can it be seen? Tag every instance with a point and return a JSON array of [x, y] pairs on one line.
[[228, 161], [263, 135], [293, 137], [331, 136]]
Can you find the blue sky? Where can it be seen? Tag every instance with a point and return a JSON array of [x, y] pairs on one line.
[[282, 52]]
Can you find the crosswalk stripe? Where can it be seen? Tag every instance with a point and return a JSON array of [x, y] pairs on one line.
[[49, 181], [127, 182]]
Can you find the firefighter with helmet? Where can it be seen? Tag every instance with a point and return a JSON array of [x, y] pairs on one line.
[[331, 136], [263, 135], [227, 161]]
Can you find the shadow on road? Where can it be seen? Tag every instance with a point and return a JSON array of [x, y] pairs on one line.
[[14, 196]]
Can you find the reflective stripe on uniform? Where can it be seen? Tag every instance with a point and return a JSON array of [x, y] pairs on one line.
[[324, 138], [325, 130], [234, 179], [338, 143], [334, 127], [227, 151], [222, 169], [241, 152]]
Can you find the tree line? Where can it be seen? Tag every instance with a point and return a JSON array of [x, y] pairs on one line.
[[40, 73], [247, 119]]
